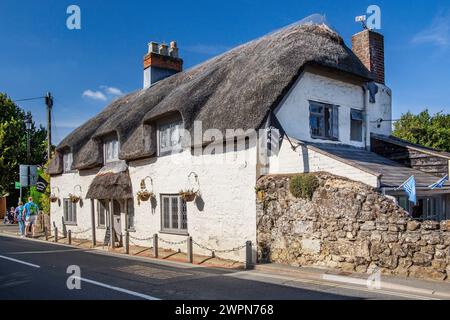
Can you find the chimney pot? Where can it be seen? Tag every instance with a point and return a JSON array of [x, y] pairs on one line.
[[153, 47], [173, 51], [163, 50]]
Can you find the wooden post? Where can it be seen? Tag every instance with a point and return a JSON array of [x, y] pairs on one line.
[[248, 255], [155, 245], [127, 242], [69, 234], [64, 227], [111, 223], [190, 253], [94, 240], [46, 233], [56, 234]]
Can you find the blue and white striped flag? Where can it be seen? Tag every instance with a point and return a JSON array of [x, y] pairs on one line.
[[410, 188], [440, 184]]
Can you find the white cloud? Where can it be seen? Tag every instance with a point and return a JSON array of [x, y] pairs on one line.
[[112, 91], [105, 93], [437, 33], [94, 95]]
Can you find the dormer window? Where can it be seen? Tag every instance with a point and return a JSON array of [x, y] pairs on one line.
[[111, 150], [169, 136], [68, 160]]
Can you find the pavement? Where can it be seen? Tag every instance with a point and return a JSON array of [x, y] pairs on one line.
[[33, 269]]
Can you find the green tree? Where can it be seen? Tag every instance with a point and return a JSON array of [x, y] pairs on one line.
[[13, 145], [425, 129]]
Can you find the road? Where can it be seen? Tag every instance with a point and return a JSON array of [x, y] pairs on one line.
[[38, 270]]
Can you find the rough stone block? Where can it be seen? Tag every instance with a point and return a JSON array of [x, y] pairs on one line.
[[422, 259], [426, 273]]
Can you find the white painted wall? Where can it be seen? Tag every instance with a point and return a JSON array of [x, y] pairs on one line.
[[305, 159], [381, 109], [227, 220], [293, 113]]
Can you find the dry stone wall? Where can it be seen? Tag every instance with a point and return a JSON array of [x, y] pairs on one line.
[[349, 226]]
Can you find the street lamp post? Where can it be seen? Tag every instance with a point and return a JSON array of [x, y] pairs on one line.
[[28, 124]]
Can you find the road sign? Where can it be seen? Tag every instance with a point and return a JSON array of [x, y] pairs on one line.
[[17, 185], [28, 175]]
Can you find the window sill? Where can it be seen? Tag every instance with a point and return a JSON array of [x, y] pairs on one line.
[[71, 224], [101, 228], [175, 233]]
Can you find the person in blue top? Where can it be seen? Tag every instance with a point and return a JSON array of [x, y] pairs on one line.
[[30, 210], [20, 218]]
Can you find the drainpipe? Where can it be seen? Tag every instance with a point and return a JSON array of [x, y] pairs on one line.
[[366, 114]]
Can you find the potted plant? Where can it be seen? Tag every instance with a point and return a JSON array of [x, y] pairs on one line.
[[74, 198], [188, 195], [144, 195], [53, 198]]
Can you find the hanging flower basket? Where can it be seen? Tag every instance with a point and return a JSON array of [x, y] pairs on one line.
[[144, 195], [188, 195], [74, 198], [53, 198]]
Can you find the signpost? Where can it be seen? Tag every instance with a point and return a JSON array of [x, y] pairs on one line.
[[28, 176]]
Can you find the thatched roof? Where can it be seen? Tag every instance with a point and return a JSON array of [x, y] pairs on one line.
[[111, 182], [234, 90]]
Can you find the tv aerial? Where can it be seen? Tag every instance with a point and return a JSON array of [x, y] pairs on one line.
[[362, 19]]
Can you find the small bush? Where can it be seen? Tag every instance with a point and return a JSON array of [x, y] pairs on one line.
[[304, 185]]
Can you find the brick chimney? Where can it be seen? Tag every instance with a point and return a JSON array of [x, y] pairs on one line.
[[161, 62], [368, 46]]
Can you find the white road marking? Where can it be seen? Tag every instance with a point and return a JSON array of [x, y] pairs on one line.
[[21, 262], [132, 293]]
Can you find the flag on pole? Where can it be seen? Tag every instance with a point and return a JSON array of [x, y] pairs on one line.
[[409, 186], [41, 185], [440, 184]]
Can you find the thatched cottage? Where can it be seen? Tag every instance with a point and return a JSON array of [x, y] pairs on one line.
[[162, 160]]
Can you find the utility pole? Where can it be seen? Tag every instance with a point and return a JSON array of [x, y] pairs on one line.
[[49, 103]]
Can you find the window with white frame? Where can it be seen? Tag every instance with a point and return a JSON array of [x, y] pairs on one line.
[[173, 214], [70, 212], [324, 120], [67, 161], [130, 214], [356, 125], [111, 150], [169, 137], [101, 213]]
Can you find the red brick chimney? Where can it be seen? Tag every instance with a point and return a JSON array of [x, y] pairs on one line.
[[368, 46], [161, 62]]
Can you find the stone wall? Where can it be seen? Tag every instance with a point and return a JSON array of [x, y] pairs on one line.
[[349, 226]]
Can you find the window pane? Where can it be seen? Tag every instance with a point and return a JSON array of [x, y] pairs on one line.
[[317, 125], [175, 212], [66, 208], [166, 213], [74, 212], [183, 215]]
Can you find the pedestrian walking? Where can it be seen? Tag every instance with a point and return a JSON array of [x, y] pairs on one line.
[[20, 219], [31, 210]]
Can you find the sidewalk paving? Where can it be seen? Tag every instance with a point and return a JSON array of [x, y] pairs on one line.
[[135, 250], [439, 289]]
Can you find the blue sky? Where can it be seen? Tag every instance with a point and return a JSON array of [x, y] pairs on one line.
[[85, 69]]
